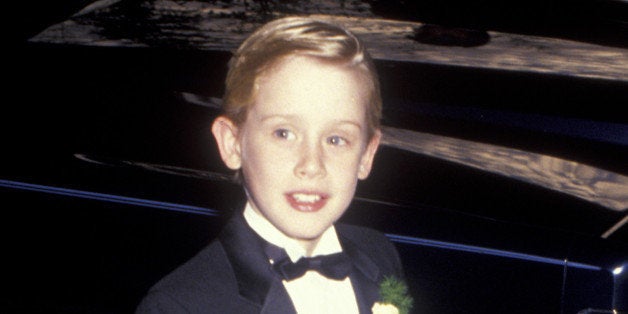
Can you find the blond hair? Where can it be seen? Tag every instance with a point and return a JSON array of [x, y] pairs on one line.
[[292, 36]]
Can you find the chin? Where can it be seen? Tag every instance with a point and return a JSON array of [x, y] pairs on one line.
[[307, 236]]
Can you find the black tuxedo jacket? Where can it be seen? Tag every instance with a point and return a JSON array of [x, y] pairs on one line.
[[233, 275]]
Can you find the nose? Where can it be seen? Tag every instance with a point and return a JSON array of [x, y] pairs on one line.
[[311, 161]]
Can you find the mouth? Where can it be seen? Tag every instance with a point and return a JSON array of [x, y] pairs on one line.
[[307, 201]]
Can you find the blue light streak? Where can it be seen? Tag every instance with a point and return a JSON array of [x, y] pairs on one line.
[[108, 198], [211, 212], [488, 251]]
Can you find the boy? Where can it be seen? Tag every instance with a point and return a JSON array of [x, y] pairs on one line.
[[301, 126]]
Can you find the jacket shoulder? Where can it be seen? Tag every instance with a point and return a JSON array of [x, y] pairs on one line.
[[375, 245], [364, 238], [206, 281]]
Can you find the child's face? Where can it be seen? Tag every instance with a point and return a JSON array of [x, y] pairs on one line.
[[304, 145]]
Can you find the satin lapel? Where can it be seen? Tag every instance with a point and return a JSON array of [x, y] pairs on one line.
[[278, 300], [365, 276], [256, 280]]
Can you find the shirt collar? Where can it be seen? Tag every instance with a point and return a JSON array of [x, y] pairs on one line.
[[328, 244]]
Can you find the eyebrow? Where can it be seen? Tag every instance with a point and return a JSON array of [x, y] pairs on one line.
[[276, 116], [295, 117]]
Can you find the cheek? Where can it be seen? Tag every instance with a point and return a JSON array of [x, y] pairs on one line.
[[344, 165], [260, 159]]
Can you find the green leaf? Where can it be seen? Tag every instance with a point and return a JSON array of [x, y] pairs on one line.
[[395, 292]]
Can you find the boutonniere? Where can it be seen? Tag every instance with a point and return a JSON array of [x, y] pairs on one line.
[[395, 298]]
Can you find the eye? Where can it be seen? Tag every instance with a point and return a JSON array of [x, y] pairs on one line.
[[284, 134], [337, 141]]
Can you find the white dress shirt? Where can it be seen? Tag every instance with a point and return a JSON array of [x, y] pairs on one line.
[[312, 293]]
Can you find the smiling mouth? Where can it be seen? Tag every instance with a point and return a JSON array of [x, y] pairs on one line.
[[307, 202]]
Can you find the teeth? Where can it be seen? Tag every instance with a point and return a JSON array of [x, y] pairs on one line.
[[306, 198]]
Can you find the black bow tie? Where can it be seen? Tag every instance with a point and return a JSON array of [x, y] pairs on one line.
[[334, 266]]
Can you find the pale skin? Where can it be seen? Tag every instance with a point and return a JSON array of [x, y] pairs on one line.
[[303, 145]]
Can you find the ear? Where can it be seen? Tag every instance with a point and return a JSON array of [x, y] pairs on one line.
[[226, 134], [366, 162]]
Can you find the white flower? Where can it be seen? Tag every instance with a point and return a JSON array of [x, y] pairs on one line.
[[384, 308]]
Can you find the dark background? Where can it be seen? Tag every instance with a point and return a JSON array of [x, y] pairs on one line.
[[73, 255]]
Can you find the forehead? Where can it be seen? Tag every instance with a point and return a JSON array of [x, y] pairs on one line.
[[301, 84]]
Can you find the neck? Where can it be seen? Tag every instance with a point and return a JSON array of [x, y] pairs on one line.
[[308, 245], [325, 243]]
